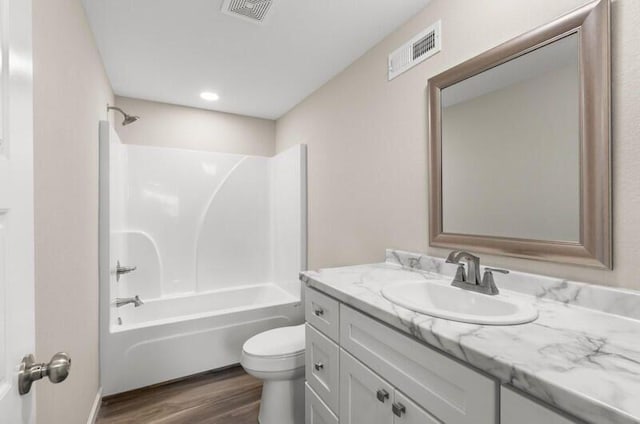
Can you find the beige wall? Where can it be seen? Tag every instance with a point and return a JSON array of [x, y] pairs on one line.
[[367, 139], [70, 95], [189, 128]]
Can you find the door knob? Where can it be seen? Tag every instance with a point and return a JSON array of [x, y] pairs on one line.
[[57, 370]]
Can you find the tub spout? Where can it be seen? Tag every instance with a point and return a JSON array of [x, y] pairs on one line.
[[125, 301]]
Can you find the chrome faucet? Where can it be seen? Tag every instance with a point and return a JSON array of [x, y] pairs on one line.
[[125, 301], [471, 280]]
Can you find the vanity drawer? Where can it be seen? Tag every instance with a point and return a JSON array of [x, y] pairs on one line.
[[411, 413], [316, 411], [323, 313], [322, 366], [517, 409], [450, 391]]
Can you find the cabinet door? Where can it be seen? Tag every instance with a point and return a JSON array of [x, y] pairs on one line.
[[450, 391], [316, 411], [323, 313], [517, 409], [322, 367], [365, 397], [407, 412]]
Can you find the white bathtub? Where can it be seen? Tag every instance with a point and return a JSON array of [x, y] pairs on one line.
[[174, 337], [202, 229], [167, 310]]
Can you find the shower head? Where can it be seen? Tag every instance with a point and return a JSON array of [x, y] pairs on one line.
[[128, 119]]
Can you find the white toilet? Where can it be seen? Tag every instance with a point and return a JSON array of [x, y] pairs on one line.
[[277, 357]]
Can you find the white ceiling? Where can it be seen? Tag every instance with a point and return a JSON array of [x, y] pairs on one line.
[[172, 50]]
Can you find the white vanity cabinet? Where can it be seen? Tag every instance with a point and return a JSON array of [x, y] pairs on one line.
[[369, 399], [366, 398], [316, 411], [322, 359], [447, 390], [362, 371], [518, 409]]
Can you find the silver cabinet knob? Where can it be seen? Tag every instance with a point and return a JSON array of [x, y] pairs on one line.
[[398, 409], [382, 395], [318, 312], [57, 370], [318, 366]]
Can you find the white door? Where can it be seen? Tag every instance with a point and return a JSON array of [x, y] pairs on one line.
[[365, 398], [17, 332]]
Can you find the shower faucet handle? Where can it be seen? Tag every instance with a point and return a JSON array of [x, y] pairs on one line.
[[120, 270]]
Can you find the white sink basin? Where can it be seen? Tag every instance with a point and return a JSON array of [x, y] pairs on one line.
[[452, 303]]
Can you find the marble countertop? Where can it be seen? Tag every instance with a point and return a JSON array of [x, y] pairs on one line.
[[583, 360]]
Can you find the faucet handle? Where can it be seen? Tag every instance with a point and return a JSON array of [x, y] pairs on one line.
[[501, 271], [461, 275], [488, 282]]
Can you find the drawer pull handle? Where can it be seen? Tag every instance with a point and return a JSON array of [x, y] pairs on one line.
[[398, 409], [319, 312], [318, 366], [382, 395]]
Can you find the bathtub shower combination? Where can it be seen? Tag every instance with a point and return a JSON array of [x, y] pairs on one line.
[[217, 242]]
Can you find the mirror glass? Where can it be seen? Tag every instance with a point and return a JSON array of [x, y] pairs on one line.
[[511, 148]]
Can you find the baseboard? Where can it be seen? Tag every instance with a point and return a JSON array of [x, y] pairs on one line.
[[93, 415]]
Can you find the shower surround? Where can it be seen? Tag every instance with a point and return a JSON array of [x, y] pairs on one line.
[[217, 240]]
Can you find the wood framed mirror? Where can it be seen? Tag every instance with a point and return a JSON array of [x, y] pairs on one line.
[[519, 145]]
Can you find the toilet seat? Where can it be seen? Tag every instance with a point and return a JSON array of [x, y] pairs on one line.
[[277, 350]]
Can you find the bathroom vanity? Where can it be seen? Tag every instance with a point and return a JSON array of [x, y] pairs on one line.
[[371, 361]]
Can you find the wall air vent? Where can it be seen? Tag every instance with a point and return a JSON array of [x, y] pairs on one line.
[[251, 10], [419, 48]]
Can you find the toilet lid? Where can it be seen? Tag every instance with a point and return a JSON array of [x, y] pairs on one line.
[[284, 341]]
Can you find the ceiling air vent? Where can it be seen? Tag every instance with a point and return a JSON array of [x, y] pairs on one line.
[[251, 10], [419, 48]]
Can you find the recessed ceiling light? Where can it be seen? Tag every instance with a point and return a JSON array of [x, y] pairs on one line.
[[209, 96]]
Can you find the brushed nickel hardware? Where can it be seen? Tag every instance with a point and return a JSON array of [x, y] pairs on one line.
[[501, 271], [128, 119], [382, 395], [471, 280], [57, 370], [121, 270], [318, 366], [473, 262], [488, 281], [398, 409], [120, 301], [319, 312], [461, 275]]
